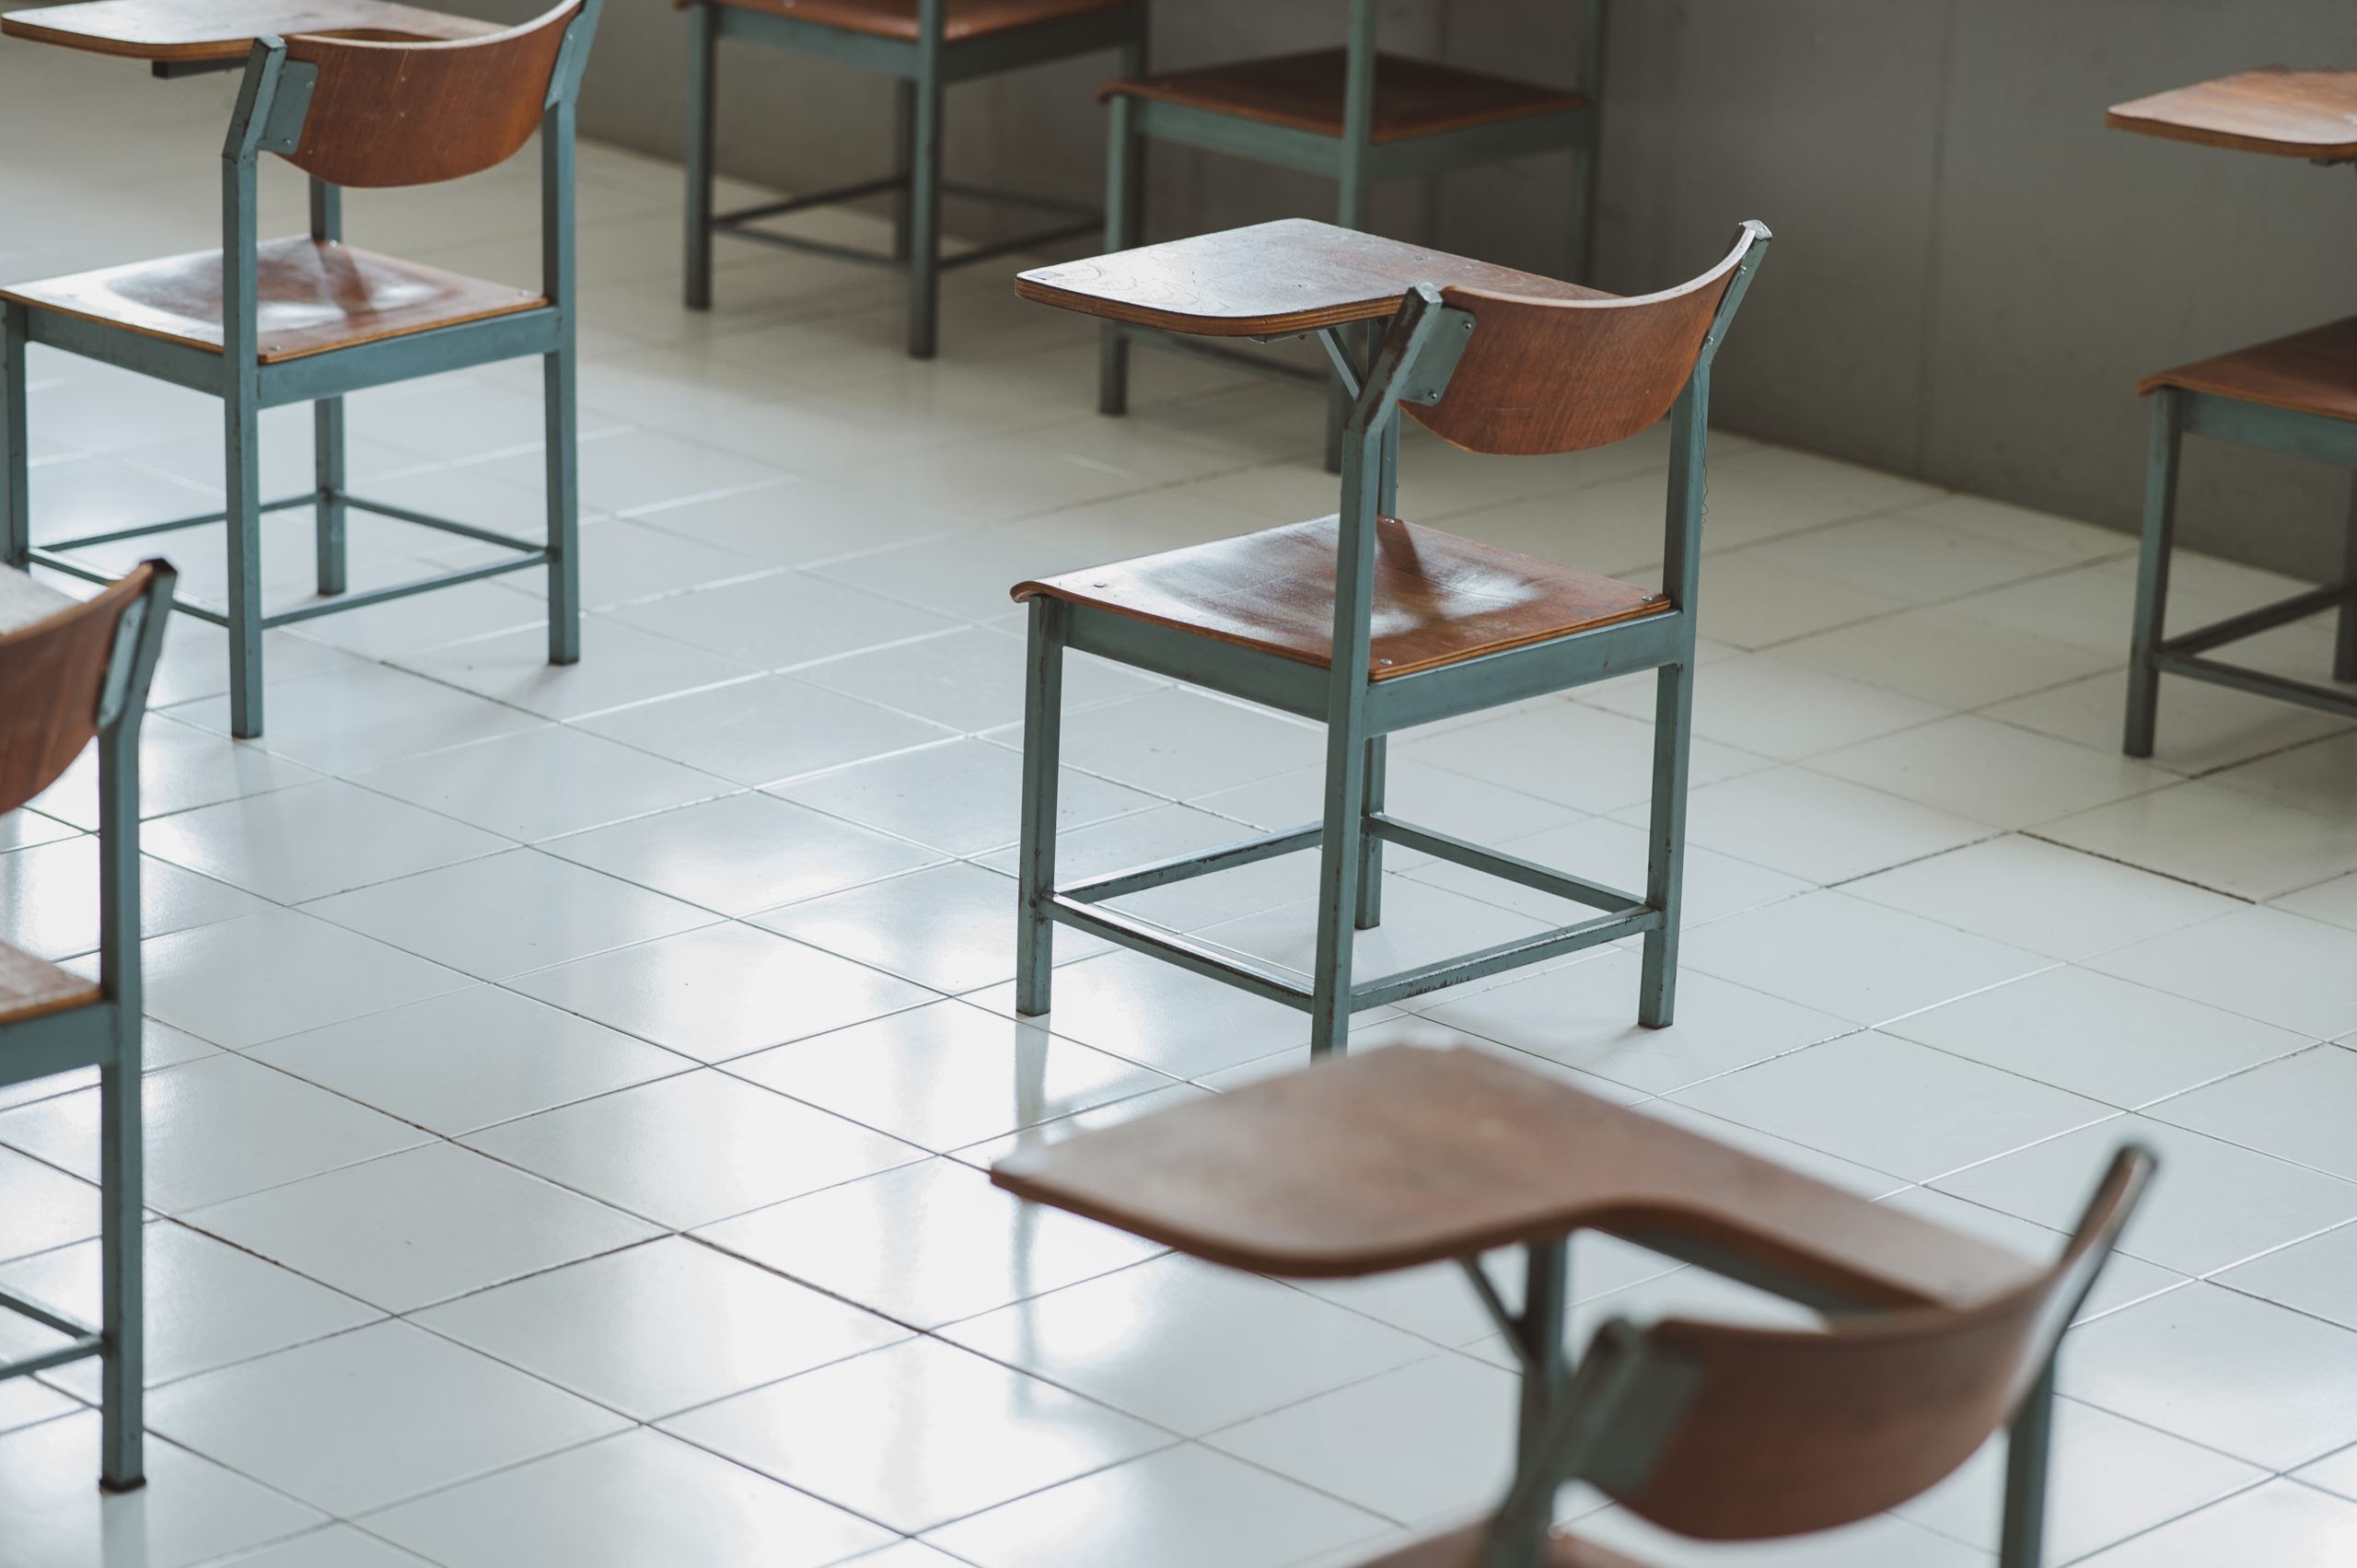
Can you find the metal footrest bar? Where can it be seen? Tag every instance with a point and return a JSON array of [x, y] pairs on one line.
[[1511, 955], [1507, 868], [1086, 220], [41, 1312], [1180, 867], [2257, 683], [80, 1348], [2235, 628], [140, 530], [362, 601], [841, 193], [446, 525], [1260, 980]]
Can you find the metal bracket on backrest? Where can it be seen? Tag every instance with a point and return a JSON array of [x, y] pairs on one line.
[[572, 56], [122, 662], [290, 105], [1428, 375]]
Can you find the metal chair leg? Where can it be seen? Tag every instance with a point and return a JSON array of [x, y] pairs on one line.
[[925, 219], [1370, 904], [123, 1370], [564, 485], [2344, 644], [904, 137], [327, 510], [2028, 1444], [703, 41], [2153, 574], [1665, 856], [1124, 227], [241, 421], [1338, 889], [15, 455], [1035, 934]]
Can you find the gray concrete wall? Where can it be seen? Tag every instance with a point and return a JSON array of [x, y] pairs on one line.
[[1971, 271]]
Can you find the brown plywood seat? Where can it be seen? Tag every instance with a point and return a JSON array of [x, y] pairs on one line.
[[315, 295], [2310, 372], [30, 987], [1392, 1158], [1413, 97], [898, 18], [2310, 114], [1462, 1549], [1438, 598]]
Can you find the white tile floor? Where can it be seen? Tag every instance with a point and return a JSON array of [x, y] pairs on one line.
[[571, 1089]]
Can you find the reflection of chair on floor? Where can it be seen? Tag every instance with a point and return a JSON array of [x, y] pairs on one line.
[[79, 673], [2296, 395], [1404, 1156], [1373, 624], [306, 319]]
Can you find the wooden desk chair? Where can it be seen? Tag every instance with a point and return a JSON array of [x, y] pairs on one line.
[[1373, 625], [307, 319], [1731, 1434], [79, 674], [1406, 1156], [2297, 395], [925, 45], [1357, 116]]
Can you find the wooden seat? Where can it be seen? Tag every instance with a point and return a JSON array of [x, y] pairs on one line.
[[30, 987], [1387, 1159], [2310, 114], [1462, 1549], [1438, 598], [898, 18], [315, 295], [1305, 92], [2310, 372], [224, 30], [1269, 280]]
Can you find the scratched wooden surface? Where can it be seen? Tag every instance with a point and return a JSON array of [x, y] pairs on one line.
[[1271, 279]]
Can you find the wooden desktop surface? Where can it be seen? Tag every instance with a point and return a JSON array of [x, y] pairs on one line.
[[2284, 113], [169, 31]]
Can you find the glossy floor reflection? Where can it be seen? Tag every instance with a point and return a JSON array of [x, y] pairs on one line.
[[572, 1088]]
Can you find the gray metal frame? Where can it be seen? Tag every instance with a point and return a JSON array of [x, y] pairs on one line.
[[2152, 653], [1355, 161], [271, 107], [1413, 364], [105, 1034], [922, 71]]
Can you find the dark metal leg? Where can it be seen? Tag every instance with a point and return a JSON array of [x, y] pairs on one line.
[[241, 440], [564, 506], [327, 461], [122, 1367], [2344, 646], [904, 137], [703, 39], [925, 219], [2153, 573], [2028, 1443], [1338, 889], [1043, 743], [1124, 227], [16, 452], [1546, 1314], [1665, 854], [1370, 909]]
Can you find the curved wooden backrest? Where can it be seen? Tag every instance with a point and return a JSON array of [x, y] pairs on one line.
[[387, 113], [53, 673], [1784, 1433], [1563, 374]]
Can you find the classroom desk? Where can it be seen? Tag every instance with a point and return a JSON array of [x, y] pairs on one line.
[[179, 36], [2280, 112]]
